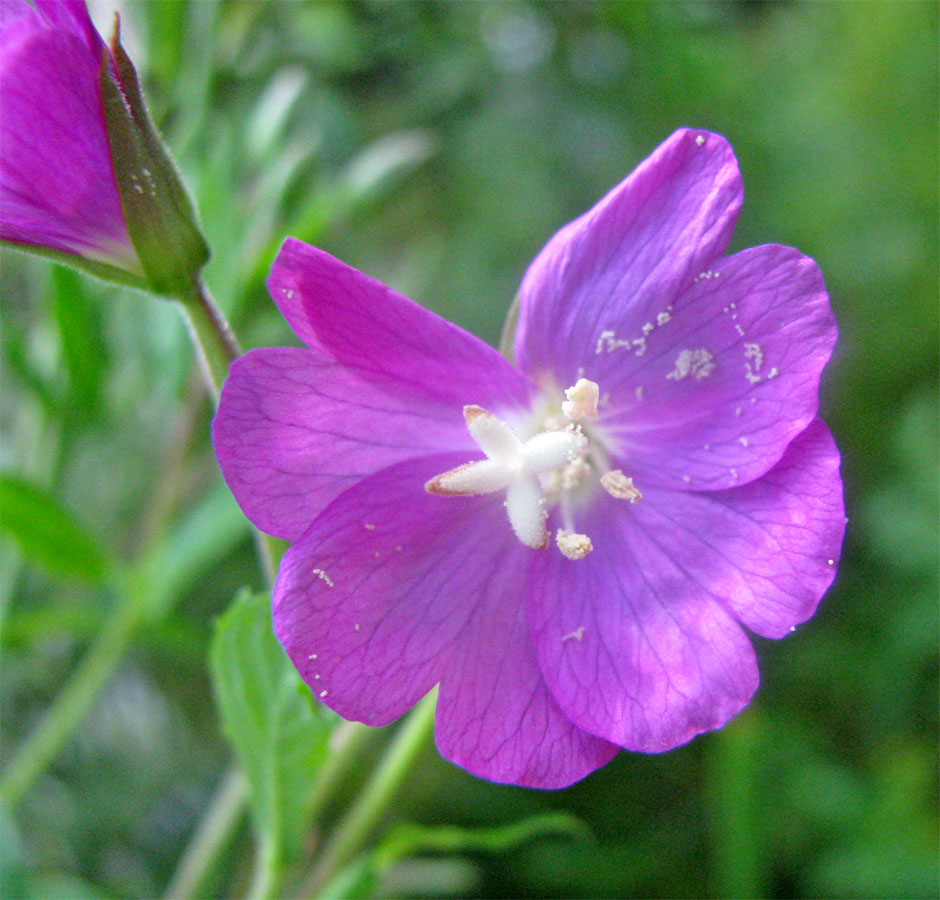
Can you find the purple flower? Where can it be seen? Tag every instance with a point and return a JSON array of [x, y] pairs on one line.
[[570, 546], [57, 183]]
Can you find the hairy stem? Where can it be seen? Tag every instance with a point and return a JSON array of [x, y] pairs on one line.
[[214, 341]]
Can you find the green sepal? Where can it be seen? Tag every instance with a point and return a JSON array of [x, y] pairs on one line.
[[83, 264], [507, 340], [160, 218]]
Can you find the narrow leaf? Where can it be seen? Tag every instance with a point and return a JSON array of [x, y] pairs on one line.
[[47, 533]]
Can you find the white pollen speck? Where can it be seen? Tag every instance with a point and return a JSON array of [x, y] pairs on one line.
[[773, 373], [663, 318], [792, 629], [700, 140], [640, 344], [356, 627], [734, 474], [697, 363], [744, 441], [600, 342], [739, 329], [572, 544], [312, 656], [738, 411], [289, 293], [831, 562], [369, 526], [323, 694], [316, 676], [753, 360], [686, 479], [138, 188], [323, 577], [638, 393], [648, 328], [576, 635]]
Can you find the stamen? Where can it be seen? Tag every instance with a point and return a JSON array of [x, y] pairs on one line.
[[572, 544], [582, 400], [620, 486]]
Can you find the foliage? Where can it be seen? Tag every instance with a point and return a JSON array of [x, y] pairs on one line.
[[436, 146]]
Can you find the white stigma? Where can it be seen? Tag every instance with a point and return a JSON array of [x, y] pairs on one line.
[[582, 400], [512, 466]]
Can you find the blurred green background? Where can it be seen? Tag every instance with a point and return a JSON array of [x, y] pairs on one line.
[[437, 146]]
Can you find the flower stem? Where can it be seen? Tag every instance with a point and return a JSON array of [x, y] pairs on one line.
[[215, 831], [73, 703], [214, 341], [217, 347], [355, 827], [346, 742]]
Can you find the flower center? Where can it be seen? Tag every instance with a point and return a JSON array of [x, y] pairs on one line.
[[552, 462]]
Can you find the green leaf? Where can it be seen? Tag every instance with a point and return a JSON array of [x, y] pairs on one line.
[[277, 729], [83, 349], [409, 838], [47, 533], [208, 531]]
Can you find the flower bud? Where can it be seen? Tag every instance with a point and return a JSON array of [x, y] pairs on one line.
[[84, 177]]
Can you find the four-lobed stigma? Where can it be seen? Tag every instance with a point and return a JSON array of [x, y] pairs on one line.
[[536, 472]]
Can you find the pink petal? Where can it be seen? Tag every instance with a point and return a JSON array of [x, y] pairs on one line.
[[381, 335], [294, 429], [762, 330], [392, 590], [621, 262], [57, 185], [767, 550], [72, 15], [632, 648], [498, 718]]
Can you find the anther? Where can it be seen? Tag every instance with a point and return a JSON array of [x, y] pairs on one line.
[[620, 486], [582, 400], [572, 544]]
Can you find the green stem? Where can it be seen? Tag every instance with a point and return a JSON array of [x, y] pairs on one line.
[[266, 874], [738, 852], [74, 702], [211, 838], [217, 348], [356, 826], [215, 344], [346, 742]]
